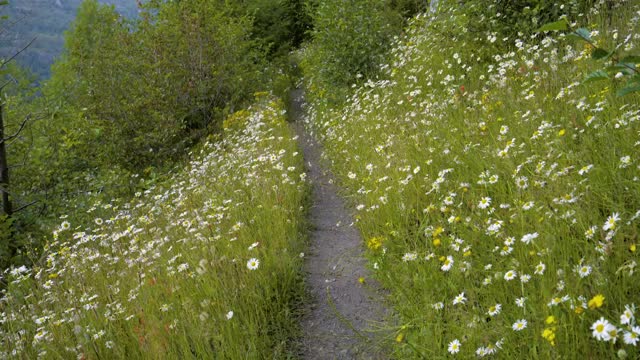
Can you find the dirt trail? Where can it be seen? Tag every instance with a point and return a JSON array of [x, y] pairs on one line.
[[338, 322]]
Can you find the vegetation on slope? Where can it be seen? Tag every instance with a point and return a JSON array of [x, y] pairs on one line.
[[117, 252], [499, 195], [497, 191], [204, 265], [350, 39], [131, 97]]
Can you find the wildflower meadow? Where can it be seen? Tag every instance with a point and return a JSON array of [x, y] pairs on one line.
[[488, 151], [204, 265], [497, 191]]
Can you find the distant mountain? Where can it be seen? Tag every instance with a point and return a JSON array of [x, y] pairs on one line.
[[46, 20]]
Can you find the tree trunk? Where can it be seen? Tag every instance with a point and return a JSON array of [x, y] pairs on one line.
[[4, 167]]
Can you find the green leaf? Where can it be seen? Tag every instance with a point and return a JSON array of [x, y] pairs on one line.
[[596, 76], [628, 90], [599, 53], [614, 69], [625, 68], [584, 33], [634, 59], [581, 34], [628, 65], [560, 25]]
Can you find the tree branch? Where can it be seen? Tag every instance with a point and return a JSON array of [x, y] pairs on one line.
[[7, 83], [22, 125], [6, 28], [25, 206], [26, 155], [5, 62]]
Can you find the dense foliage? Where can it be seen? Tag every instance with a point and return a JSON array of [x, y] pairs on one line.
[[161, 85], [349, 41], [498, 195], [279, 26], [508, 18]]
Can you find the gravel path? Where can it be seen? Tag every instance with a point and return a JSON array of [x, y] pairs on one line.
[[342, 313]]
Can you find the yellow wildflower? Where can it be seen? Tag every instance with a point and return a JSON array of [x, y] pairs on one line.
[[596, 301], [439, 230], [549, 335], [374, 243]]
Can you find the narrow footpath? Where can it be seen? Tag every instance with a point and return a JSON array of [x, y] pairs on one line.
[[341, 319]]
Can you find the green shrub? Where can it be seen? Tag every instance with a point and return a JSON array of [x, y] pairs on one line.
[[349, 40], [168, 80], [409, 8], [278, 26]]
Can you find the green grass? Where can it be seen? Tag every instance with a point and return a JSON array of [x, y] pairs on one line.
[[166, 274], [454, 119]]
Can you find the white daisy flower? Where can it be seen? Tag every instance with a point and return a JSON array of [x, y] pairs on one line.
[[519, 325], [454, 346], [253, 264]]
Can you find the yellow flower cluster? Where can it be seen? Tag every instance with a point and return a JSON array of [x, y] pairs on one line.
[[374, 243], [549, 333], [596, 301]]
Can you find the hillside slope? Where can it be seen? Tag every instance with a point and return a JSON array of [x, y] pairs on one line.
[[205, 265], [498, 195]]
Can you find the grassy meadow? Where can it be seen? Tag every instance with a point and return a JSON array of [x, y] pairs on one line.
[[498, 195], [495, 182], [204, 265]]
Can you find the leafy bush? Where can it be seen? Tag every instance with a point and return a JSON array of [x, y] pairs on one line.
[[349, 40], [619, 64], [409, 8], [277, 26], [168, 80]]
